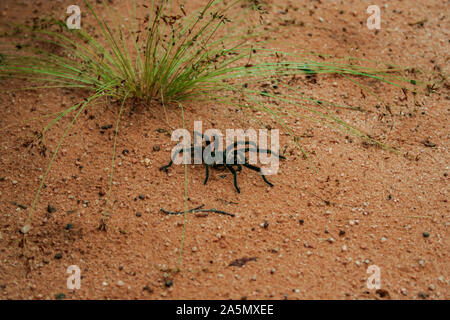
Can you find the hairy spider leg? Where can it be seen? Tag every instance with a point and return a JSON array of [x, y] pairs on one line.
[[234, 177], [191, 149], [237, 143], [259, 150], [207, 173], [254, 168], [240, 151]]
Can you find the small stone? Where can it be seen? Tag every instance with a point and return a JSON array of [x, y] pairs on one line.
[[194, 249], [104, 283], [156, 148], [344, 247], [265, 225], [60, 296], [169, 283], [431, 287], [426, 234], [138, 214], [147, 161], [148, 289], [301, 221], [142, 197], [120, 283], [404, 291], [331, 240], [422, 262], [272, 271], [51, 209], [423, 295], [25, 228], [308, 253], [58, 256], [253, 278], [383, 239]]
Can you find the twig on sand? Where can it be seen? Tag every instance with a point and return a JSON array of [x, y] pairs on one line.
[[197, 209]]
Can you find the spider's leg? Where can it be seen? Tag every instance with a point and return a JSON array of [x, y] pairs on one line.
[[234, 177], [166, 167], [236, 144], [254, 168], [259, 150], [207, 173]]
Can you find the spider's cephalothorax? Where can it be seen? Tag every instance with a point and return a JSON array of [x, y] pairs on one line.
[[233, 158]]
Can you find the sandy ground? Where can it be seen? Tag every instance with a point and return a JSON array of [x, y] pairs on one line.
[[312, 236]]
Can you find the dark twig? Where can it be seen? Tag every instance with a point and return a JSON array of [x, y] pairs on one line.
[[181, 212], [197, 209]]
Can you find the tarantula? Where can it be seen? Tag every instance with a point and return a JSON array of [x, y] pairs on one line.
[[227, 157]]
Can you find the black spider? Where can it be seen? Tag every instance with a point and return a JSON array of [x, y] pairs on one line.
[[229, 158]]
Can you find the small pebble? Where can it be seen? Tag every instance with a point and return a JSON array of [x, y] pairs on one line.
[[169, 283], [148, 289], [426, 234], [60, 296]]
